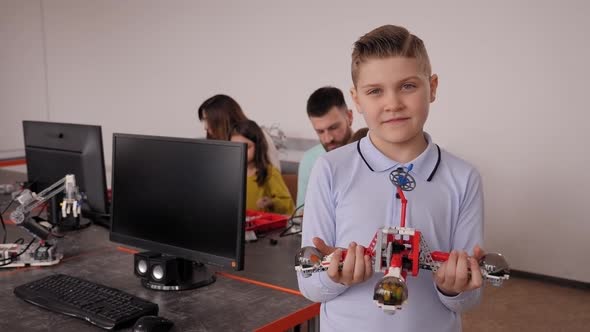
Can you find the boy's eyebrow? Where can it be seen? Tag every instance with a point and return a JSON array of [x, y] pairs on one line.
[[370, 85], [379, 84]]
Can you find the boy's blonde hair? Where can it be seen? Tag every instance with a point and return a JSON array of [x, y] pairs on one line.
[[388, 41]]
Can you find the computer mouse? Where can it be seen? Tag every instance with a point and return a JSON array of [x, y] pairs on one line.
[[152, 324]]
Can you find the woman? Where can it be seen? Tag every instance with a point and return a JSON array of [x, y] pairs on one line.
[[220, 113], [265, 188]]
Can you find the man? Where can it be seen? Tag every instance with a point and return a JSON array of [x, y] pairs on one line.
[[332, 120]]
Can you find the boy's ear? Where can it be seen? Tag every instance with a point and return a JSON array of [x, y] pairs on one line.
[[349, 117], [354, 96], [433, 86]]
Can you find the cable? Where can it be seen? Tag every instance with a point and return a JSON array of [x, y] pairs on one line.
[[11, 259], [2, 218], [290, 220], [3, 228]]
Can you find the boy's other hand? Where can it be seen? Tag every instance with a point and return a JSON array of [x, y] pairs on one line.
[[478, 253], [322, 246], [460, 273], [356, 268]]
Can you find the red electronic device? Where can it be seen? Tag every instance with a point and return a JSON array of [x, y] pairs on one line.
[[260, 221]]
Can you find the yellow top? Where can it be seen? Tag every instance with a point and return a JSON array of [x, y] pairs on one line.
[[275, 188]]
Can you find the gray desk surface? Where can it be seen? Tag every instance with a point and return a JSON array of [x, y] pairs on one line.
[[261, 255], [11, 176], [226, 305]]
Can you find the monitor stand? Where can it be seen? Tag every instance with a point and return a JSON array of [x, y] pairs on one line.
[[177, 274], [68, 223]]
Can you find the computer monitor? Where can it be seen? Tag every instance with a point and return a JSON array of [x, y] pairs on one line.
[[184, 201], [55, 149]]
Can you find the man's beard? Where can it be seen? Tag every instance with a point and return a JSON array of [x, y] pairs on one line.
[[337, 144]]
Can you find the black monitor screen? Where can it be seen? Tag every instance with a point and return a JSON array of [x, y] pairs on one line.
[[182, 197], [56, 149]]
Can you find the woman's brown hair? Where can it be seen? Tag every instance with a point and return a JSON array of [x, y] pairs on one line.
[[250, 130], [222, 113]]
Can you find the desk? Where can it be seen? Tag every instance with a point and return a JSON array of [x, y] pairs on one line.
[[226, 305], [261, 255]]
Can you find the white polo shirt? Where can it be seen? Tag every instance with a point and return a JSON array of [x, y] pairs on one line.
[[350, 196]]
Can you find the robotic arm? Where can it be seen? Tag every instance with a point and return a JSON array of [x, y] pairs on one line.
[[29, 201]]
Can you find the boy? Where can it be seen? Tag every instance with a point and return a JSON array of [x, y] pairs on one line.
[[332, 120], [350, 197]]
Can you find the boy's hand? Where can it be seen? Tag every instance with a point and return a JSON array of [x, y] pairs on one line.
[[460, 273], [264, 203], [356, 268]]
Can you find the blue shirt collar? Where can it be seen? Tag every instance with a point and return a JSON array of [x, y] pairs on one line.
[[424, 164]]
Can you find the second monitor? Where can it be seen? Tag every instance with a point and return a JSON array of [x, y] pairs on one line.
[[184, 198], [56, 149]]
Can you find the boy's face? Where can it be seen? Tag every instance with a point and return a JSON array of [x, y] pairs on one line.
[[393, 94], [333, 129]]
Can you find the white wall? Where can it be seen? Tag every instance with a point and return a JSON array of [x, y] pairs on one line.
[[513, 77], [22, 72]]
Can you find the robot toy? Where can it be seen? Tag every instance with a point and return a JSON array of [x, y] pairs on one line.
[[397, 251]]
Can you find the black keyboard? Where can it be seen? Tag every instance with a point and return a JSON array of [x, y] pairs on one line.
[[102, 306]]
